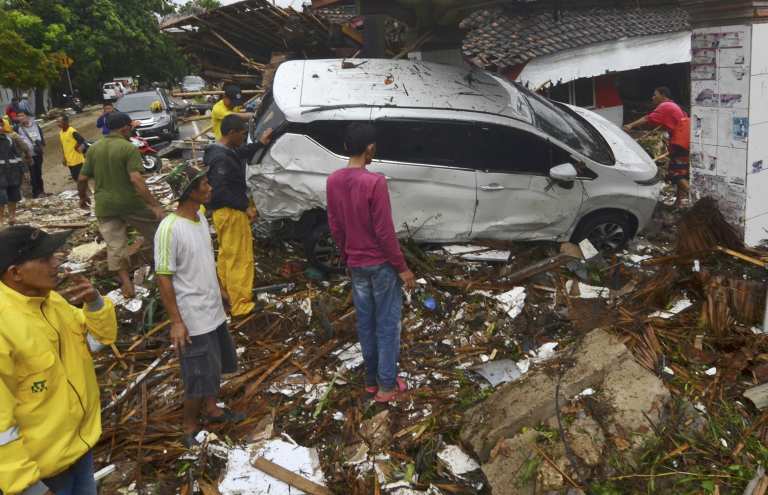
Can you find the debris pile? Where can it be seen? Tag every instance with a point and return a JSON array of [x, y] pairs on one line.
[[532, 368]]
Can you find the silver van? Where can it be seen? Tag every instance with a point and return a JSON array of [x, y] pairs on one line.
[[467, 154]]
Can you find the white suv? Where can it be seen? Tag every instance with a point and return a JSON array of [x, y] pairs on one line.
[[468, 155]]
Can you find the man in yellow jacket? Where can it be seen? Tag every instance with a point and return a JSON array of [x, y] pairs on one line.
[[50, 414], [73, 147]]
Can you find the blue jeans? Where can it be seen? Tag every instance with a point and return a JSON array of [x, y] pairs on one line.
[[378, 303], [76, 480]]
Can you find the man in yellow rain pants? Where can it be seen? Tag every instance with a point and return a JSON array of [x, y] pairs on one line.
[[233, 212]]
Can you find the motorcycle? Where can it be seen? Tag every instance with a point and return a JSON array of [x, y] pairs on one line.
[[149, 161], [74, 102]]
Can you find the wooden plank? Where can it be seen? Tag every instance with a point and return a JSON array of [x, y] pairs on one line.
[[758, 395], [292, 479]]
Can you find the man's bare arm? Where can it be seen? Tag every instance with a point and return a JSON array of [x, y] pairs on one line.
[[179, 333], [642, 121], [141, 189]]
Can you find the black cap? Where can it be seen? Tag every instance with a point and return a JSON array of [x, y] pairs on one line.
[[117, 120], [22, 243], [233, 93]]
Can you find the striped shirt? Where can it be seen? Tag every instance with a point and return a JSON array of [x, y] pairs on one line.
[[184, 251]]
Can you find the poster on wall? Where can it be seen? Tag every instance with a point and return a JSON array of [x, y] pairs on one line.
[[704, 126]]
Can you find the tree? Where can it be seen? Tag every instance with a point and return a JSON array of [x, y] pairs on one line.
[[105, 38], [196, 6], [22, 65]]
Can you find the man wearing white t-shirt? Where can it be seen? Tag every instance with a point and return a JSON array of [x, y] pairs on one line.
[[192, 296]]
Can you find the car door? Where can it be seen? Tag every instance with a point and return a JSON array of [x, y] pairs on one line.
[[431, 184], [516, 199]]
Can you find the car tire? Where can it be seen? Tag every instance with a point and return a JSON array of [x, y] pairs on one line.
[[608, 231], [320, 250]]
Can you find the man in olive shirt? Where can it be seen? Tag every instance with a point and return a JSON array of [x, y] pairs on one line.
[[122, 197]]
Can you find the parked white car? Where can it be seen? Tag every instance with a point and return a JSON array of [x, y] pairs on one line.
[[111, 91], [467, 154]]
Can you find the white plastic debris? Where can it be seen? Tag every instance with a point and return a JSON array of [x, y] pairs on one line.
[[132, 305], [351, 356], [492, 255], [700, 407], [93, 344], [711, 371], [457, 461], [588, 250], [421, 281], [676, 308], [241, 478], [696, 266], [587, 291], [66, 195], [587, 392], [338, 416], [104, 472], [668, 370], [306, 306], [498, 372], [543, 353], [638, 258], [457, 249], [512, 302]]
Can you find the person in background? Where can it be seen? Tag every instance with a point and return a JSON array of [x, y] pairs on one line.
[[101, 122], [122, 197], [360, 220], [14, 157], [12, 109], [228, 105], [192, 297], [232, 210], [675, 121], [50, 412], [73, 147], [25, 106], [32, 135]]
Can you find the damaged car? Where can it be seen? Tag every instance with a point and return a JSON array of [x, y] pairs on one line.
[[468, 155]]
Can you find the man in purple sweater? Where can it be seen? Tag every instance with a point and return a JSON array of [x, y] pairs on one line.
[[360, 219]]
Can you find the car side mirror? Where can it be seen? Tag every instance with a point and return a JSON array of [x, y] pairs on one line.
[[565, 172]]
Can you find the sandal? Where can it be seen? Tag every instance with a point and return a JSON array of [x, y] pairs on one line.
[[392, 395], [227, 416], [401, 385]]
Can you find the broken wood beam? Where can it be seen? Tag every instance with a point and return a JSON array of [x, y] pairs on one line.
[[290, 478], [125, 393], [758, 395]]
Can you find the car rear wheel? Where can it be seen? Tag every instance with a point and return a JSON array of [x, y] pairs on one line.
[[607, 231], [321, 251]]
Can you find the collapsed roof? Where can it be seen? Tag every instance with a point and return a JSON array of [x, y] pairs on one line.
[[236, 41]]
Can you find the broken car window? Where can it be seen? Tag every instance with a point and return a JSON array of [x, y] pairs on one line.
[[568, 128], [428, 142], [503, 149], [269, 116]]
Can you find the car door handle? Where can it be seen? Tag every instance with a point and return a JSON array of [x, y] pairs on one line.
[[493, 186]]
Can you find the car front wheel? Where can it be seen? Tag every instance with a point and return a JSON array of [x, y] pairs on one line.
[[607, 231]]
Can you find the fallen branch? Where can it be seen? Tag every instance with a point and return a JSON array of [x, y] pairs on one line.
[[557, 468]]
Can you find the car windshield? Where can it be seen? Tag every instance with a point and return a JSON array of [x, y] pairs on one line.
[[137, 102], [193, 80], [567, 128]]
